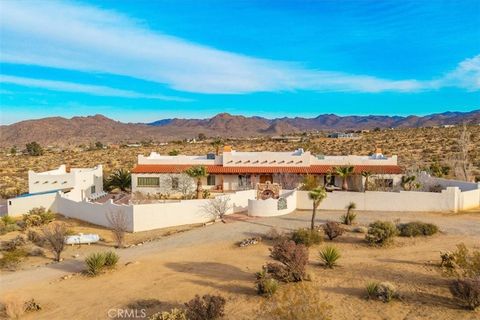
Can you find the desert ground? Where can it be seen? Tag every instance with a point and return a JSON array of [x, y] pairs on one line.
[[170, 270], [416, 149]]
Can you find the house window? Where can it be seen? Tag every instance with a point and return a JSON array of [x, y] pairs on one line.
[[244, 180], [174, 183], [211, 180], [148, 182], [92, 189]]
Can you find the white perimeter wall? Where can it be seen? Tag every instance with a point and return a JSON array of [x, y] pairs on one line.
[[163, 215], [21, 205], [469, 199], [269, 207]]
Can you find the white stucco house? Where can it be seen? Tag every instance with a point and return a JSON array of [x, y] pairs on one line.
[[233, 171], [76, 184]]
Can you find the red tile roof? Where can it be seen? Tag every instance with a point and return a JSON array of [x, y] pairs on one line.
[[219, 169]]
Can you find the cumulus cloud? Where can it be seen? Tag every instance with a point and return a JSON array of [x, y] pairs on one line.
[[82, 88], [84, 38]]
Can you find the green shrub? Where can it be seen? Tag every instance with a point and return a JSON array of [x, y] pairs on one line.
[[383, 291], [95, 263], [381, 233], [174, 314], [416, 228], [37, 217], [467, 291], [8, 220], [111, 259], [9, 228], [332, 229], [208, 307], [461, 262], [306, 237], [265, 284], [32, 220], [329, 255], [371, 288], [11, 259]]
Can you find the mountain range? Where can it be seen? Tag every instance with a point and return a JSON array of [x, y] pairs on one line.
[[81, 130]]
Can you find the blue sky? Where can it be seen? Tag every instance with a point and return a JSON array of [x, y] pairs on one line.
[[141, 61]]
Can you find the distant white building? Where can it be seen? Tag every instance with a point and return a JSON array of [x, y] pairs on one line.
[[234, 170], [76, 184]]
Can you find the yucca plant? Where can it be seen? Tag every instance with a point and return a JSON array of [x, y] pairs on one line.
[[350, 216], [329, 255], [371, 288], [111, 259], [95, 263]]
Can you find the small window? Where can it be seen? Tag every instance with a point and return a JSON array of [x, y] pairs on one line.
[[148, 182], [210, 180], [92, 189], [9, 203], [174, 183]]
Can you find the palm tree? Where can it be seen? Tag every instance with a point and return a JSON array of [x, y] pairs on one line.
[[119, 179], [217, 143], [197, 172], [317, 195], [366, 175], [344, 173]]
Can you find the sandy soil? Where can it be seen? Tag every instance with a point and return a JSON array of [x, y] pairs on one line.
[[168, 272]]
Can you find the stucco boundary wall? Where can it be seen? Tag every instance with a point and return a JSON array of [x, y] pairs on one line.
[[269, 207], [449, 200], [21, 205], [164, 215]]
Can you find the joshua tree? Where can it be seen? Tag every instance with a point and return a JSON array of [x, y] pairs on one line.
[[216, 144], [120, 179], [316, 195], [349, 217], [198, 172], [366, 175], [344, 173]]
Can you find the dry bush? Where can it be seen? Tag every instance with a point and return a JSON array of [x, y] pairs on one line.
[[54, 235], [118, 221], [298, 302], [217, 207], [332, 229], [467, 291], [461, 262], [208, 307], [293, 260]]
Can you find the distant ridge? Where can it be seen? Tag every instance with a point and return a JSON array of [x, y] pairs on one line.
[[78, 130]]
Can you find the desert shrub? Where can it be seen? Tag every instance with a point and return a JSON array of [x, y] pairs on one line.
[[37, 217], [467, 291], [306, 237], [371, 288], [360, 229], [381, 233], [95, 263], [298, 302], [9, 228], [265, 284], [31, 305], [8, 220], [416, 228], [208, 307], [274, 234], [13, 244], [329, 255], [174, 314], [383, 291], [35, 237], [332, 229], [111, 259], [309, 183], [11, 259], [32, 220], [461, 262], [293, 260]]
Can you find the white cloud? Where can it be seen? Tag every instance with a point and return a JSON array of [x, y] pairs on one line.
[[82, 88], [78, 37]]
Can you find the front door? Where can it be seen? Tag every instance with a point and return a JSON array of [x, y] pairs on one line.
[[266, 177]]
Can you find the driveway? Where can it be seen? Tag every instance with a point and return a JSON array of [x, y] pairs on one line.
[[236, 230]]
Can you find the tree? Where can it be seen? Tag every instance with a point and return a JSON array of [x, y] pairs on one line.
[[185, 184], [216, 144], [201, 137], [217, 207], [34, 149], [344, 172], [118, 221], [317, 196], [120, 179], [197, 172], [54, 235], [366, 175]]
